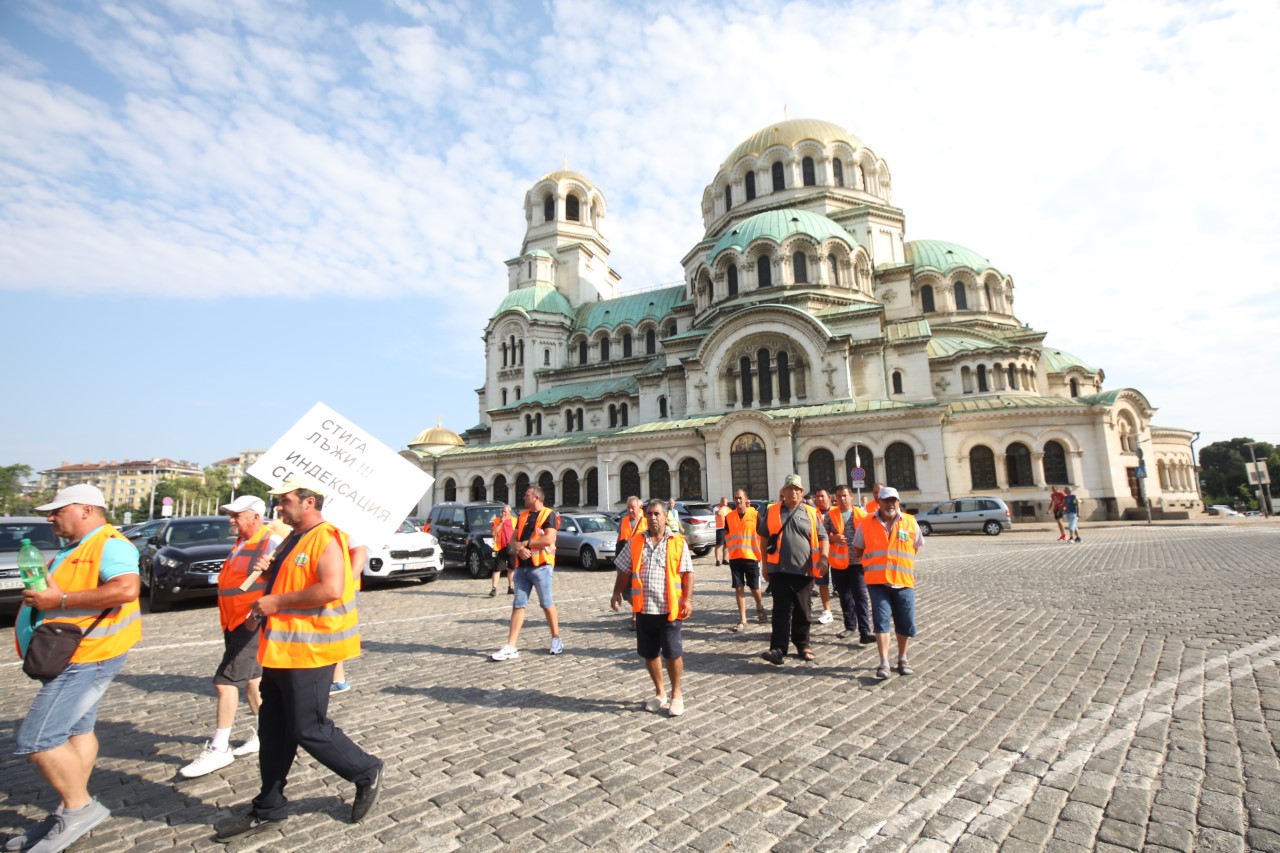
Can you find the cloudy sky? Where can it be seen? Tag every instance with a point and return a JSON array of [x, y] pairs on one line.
[[214, 213]]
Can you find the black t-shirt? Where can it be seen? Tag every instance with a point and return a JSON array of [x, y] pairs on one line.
[[530, 529]]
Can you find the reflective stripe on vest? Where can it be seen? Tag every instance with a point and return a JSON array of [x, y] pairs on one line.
[[538, 556], [675, 550], [310, 637], [890, 555], [741, 537], [234, 602], [121, 628], [774, 522]]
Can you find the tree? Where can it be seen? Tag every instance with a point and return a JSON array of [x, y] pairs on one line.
[[1223, 470], [11, 480]]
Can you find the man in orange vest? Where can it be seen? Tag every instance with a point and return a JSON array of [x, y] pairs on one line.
[[743, 545], [655, 565], [795, 552], [501, 529], [887, 544], [631, 523], [534, 549], [239, 669], [873, 505], [722, 511], [846, 573], [309, 623], [93, 583], [822, 503]]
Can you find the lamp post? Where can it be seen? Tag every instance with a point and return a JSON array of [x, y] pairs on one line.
[[1257, 473]]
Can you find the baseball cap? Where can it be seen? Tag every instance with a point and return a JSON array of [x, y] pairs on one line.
[[80, 493], [296, 481], [244, 502], [888, 492], [792, 481]]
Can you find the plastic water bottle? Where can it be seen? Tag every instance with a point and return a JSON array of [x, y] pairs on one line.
[[31, 566]]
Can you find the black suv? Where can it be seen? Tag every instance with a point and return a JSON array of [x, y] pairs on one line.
[[465, 534], [183, 558]]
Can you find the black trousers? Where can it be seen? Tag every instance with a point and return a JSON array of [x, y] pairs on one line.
[[791, 612], [855, 605], [295, 713]]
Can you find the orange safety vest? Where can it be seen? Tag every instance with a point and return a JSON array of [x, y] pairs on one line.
[[840, 553], [310, 637], [540, 556], [120, 629], [774, 526], [741, 537], [675, 589], [501, 531], [872, 507], [889, 556], [628, 528], [721, 513], [234, 602]]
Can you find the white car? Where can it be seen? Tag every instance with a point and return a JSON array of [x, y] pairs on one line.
[[1222, 511], [408, 553]]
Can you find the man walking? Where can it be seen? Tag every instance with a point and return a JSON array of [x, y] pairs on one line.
[[239, 669], [534, 549], [502, 529], [721, 512], [1057, 503], [742, 541], [1071, 506], [655, 565], [309, 623], [796, 552], [846, 574], [93, 584], [887, 544], [822, 503], [631, 523]]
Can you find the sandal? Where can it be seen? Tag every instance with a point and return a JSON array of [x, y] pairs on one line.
[[806, 655]]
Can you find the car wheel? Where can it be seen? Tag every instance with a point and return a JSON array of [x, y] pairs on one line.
[[475, 563], [701, 552], [992, 528], [588, 558], [158, 601], [925, 528]]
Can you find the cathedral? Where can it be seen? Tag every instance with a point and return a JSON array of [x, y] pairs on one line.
[[807, 335]]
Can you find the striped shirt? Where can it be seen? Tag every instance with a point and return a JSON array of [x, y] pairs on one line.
[[654, 573]]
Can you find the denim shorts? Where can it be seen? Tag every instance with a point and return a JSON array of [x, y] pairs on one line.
[[531, 578], [66, 705], [1073, 521], [898, 603]]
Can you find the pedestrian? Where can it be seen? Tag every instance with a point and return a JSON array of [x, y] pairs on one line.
[[742, 542], [822, 503], [359, 553], [722, 511], [1071, 506], [239, 669], [887, 544], [873, 505], [501, 529], [795, 553], [1057, 502], [631, 523], [673, 516], [846, 573], [655, 565], [534, 548], [92, 584], [309, 623]]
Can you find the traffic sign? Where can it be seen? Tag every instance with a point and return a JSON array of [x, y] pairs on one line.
[[858, 474], [859, 484]]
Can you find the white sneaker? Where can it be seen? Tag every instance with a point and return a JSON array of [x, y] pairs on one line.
[[557, 647], [249, 747], [505, 653], [825, 618], [210, 760]]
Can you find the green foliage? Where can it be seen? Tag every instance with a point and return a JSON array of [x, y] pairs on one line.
[[11, 480], [1223, 466]]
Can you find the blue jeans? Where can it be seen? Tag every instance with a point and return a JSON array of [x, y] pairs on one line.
[[900, 603], [66, 706], [529, 578]]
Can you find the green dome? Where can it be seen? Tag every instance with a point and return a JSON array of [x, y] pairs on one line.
[[539, 297], [943, 257], [1057, 361], [790, 133], [539, 253], [777, 225]]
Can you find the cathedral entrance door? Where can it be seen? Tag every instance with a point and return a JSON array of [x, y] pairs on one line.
[[749, 466]]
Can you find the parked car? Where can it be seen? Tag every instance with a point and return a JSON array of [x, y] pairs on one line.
[[1221, 511], [699, 522], [588, 538], [407, 553], [462, 529], [12, 531], [986, 514], [182, 559], [138, 534], [1253, 513]]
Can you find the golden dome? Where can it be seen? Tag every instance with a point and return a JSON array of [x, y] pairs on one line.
[[790, 133], [436, 439]]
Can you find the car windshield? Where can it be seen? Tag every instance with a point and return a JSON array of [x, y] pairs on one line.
[[39, 532], [479, 517], [408, 527], [596, 524], [187, 532]]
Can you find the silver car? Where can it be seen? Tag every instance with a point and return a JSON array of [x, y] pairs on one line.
[[986, 514], [698, 521], [12, 531], [589, 538]]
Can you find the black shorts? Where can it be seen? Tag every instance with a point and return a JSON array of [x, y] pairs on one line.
[[745, 573], [1057, 513], [655, 635], [719, 537], [240, 659]]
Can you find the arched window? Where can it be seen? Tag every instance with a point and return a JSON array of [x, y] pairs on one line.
[[900, 467], [549, 208], [1013, 377], [522, 486], [728, 197], [766, 377], [629, 480], [537, 423], [800, 268], [966, 379], [859, 456], [530, 273], [822, 470], [986, 289], [528, 424], [982, 467], [582, 351], [862, 177], [650, 342], [500, 489], [504, 353], [568, 420], [548, 485], [571, 213], [604, 349], [982, 379], [784, 378], [837, 172], [593, 487], [733, 279], [671, 329], [512, 349], [613, 416], [622, 414], [517, 392], [477, 489], [750, 181], [807, 172], [450, 490], [626, 345], [897, 382], [521, 351], [569, 483], [835, 270], [581, 422], [744, 371], [662, 407], [546, 358], [504, 396], [659, 480], [926, 299], [779, 178], [962, 302], [749, 466], [1055, 464], [764, 271], [1017, 463], [1075, 388], [690, 479]]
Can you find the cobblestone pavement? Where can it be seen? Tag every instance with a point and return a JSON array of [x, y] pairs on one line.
[[1121, 694]]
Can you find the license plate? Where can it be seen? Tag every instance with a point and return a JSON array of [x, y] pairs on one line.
[[414, 567], [16, 583], [213, 579]]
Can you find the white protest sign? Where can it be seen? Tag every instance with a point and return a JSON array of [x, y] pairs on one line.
[[369, 488]]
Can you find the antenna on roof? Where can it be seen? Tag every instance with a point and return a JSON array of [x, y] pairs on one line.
[[784, 113], [566, 164]]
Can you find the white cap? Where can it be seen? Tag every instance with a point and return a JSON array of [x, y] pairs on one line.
[[244, 502], [81, 493], [887, 492]]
